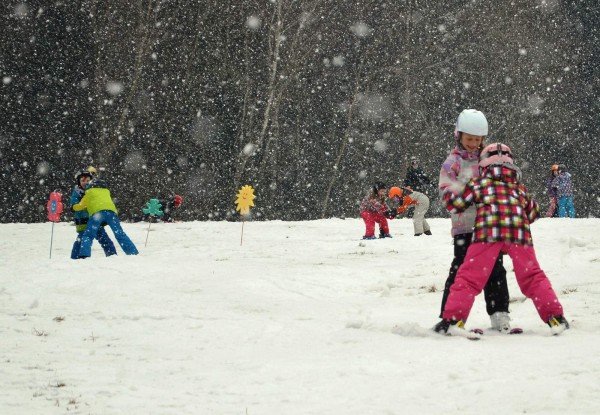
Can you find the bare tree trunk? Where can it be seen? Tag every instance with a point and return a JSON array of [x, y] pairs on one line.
[[274, 62], [141, 52], [273, 72], [296, 57], [341, 151], [242, 157], [99, 80]]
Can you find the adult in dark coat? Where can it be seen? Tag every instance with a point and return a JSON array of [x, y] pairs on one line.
[[416, 178]]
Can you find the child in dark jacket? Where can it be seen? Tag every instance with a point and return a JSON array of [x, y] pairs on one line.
[[504, 212], [101, 210], [168, 205], [374, 210], [81, 218]]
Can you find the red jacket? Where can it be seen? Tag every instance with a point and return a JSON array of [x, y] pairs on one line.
[[504, 208]]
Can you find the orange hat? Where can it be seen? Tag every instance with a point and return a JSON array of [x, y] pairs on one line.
[[554, 167], [395, 192]]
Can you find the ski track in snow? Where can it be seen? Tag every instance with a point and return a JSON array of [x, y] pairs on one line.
[[303, 318]]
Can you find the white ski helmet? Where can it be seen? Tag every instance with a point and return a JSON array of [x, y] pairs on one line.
[[472, 122]]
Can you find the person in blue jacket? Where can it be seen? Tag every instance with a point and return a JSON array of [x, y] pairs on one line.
[[81, 217]]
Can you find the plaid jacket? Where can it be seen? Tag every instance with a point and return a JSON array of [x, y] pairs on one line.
[[372, 204], [504, 208]]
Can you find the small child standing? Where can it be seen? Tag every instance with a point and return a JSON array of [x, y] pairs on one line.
[[81, 218], [101, 210], [406, 198], [373, 210], [504, 212], [564, 191]]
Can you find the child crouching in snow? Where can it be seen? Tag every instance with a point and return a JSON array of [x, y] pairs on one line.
[[504, 212], [408, 198], [373, 210]]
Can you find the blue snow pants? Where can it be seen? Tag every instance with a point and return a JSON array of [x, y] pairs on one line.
[[105, 242], [566, 207], [111, 219]]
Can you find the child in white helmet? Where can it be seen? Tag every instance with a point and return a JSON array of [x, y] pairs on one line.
[[505, 211], [462, 165]]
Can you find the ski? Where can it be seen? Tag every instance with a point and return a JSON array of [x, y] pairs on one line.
[[461, 332], [491, 331]]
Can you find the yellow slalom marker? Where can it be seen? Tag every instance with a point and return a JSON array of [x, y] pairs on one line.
[[244, 201]]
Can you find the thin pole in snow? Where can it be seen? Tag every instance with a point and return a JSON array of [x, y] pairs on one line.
[[148, 232], [242, 238], [51, 239]]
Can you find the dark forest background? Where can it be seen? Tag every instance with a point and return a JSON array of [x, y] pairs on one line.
[[309, 101]]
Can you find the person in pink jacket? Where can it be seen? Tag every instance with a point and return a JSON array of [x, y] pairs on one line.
[[461, 166], [504, 212]]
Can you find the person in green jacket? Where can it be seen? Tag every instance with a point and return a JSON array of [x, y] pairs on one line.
[[101, 210], [82, 178]]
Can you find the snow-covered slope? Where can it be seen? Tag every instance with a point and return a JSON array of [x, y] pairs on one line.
[[303, 318]]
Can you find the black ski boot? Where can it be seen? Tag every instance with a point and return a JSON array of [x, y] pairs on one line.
[[558, 324]]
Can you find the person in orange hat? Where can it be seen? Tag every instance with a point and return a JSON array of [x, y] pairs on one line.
[[552, 212], [407, 198]]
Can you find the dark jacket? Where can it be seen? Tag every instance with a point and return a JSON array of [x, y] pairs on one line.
[[416, 179]]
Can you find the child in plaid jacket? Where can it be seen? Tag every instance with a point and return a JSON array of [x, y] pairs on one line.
[[374, 210], [505, 211]]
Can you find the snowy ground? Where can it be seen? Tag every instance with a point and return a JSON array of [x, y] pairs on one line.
[[301, 319]]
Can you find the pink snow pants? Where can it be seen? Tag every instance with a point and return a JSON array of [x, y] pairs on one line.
[[370, 219], [475, 271]]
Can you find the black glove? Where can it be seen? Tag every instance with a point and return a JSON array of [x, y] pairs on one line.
[[391, 214]]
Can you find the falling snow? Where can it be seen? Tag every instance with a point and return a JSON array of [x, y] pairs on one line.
[[114, 88], [197, 97]]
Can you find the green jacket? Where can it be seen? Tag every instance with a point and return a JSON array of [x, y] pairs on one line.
[[95, 199]]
